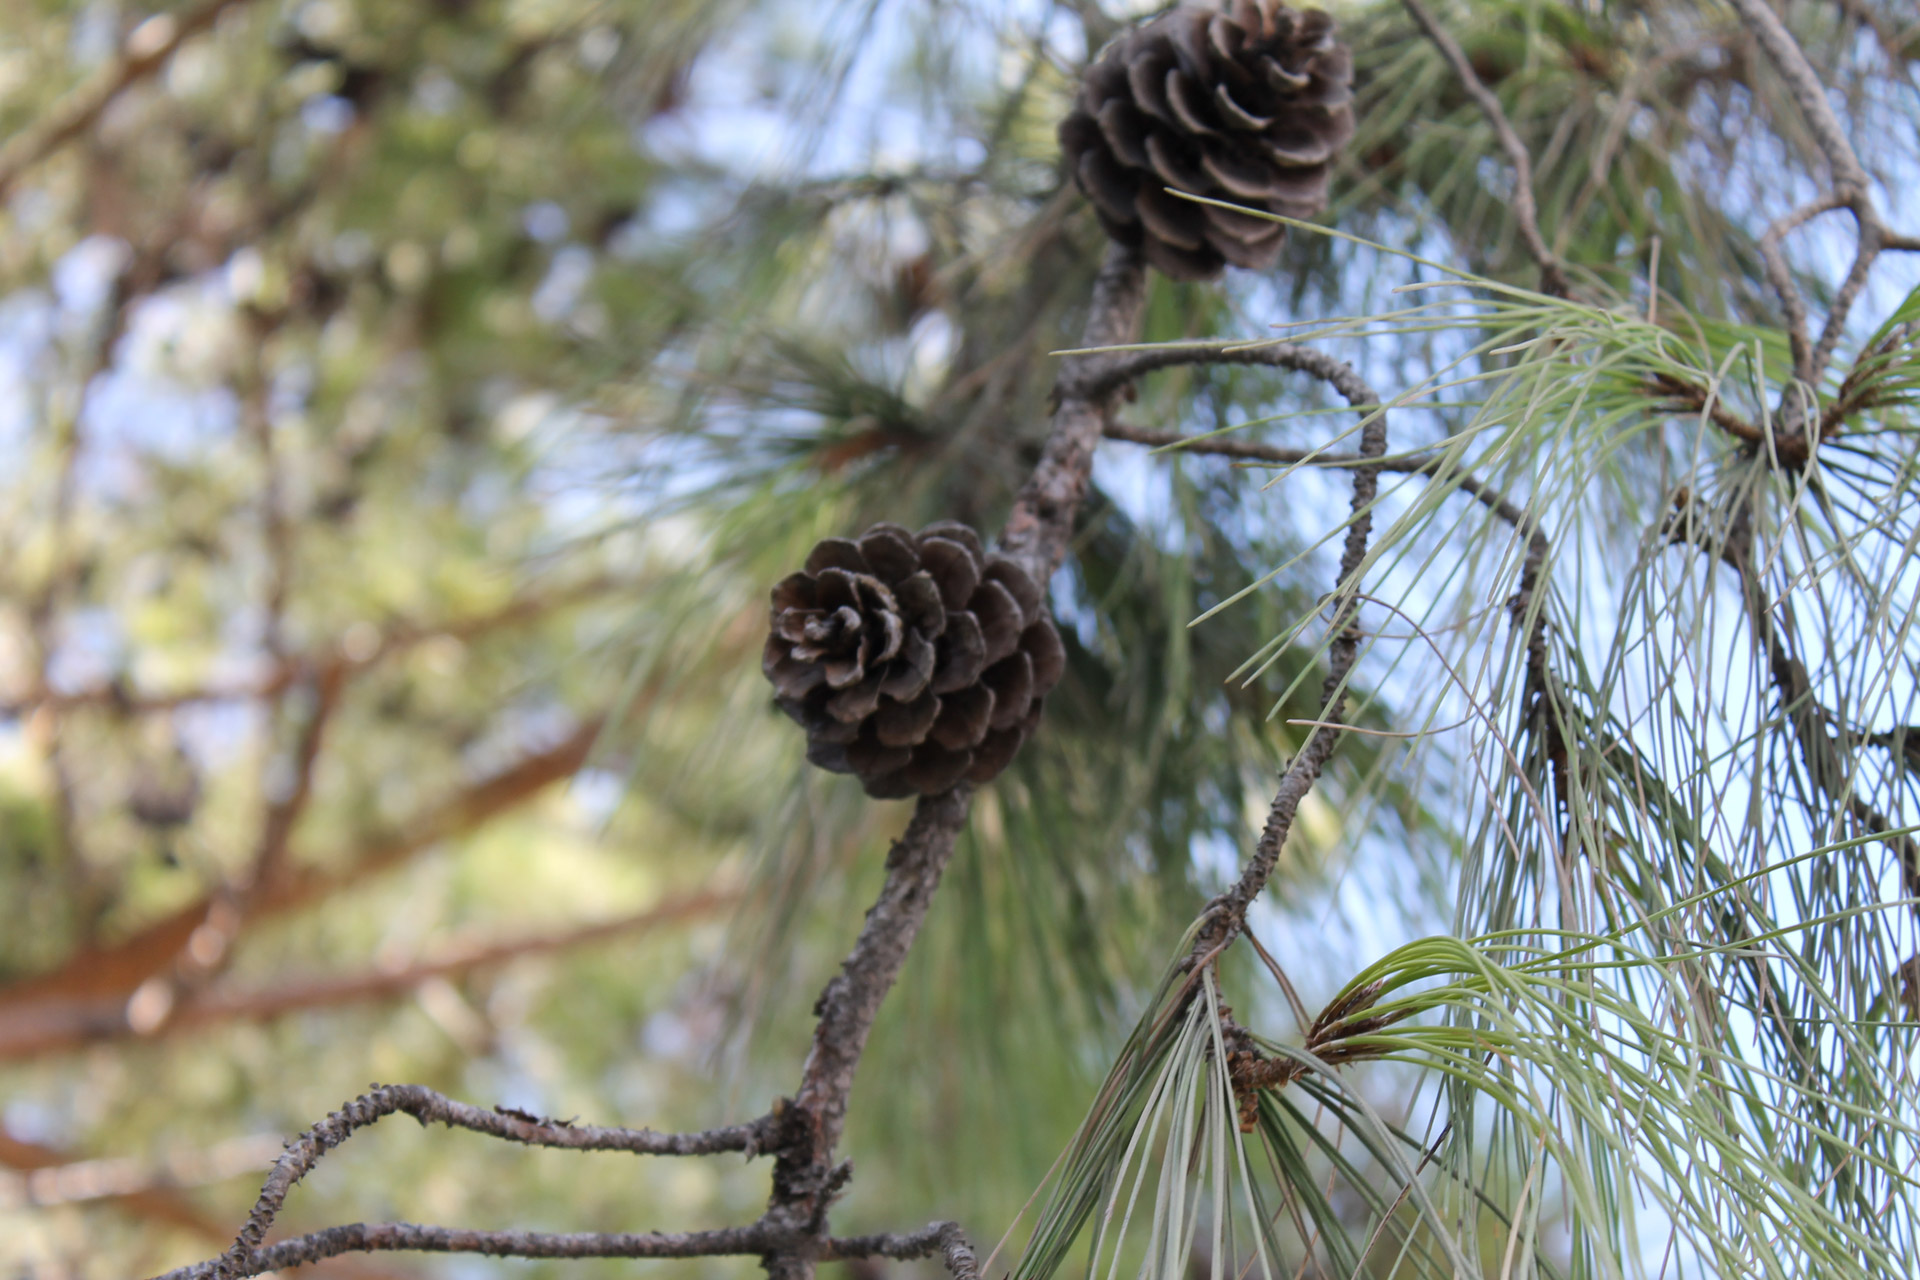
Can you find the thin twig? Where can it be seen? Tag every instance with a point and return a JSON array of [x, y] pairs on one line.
[[1121, 367], [246, 1258], [284, 811], [1872, 239], [1793, 307], [1430, 465], [943, 1238], [1525, 215], [1226, 913], [387, 1237], [1697, 399], [1809, 94]]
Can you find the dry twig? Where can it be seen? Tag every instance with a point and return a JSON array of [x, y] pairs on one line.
[[1850, 190], [1526, 216], [1227, 913]]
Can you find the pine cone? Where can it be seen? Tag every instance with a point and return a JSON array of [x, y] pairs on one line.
[[913, 661], [1247, 105]]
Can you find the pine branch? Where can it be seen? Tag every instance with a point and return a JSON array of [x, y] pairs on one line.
[[1809, 94], [1429, 467], [247, 1258], [1850, 190], [1122, 366], [1036, 535], [1226, 914], [805, 1177], [1525, 214], [943, 1238], [1041, 522], [384, 1237]]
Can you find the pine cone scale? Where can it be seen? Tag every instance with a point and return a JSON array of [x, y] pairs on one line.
[[1238, 116], [901, 724], [1014, 580], [1011, 681], [1111, 188], [835, 553], [1000, 621], [910, 678], [964, 718], [1178, 167], [921, 604], [890, 555], [955, 570], [1124, 127], [963, 654]]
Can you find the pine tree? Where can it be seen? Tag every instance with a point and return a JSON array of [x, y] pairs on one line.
[[1430, 489]]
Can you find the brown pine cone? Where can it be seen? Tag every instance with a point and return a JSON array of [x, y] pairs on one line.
[[912, 660], [1248, 105]]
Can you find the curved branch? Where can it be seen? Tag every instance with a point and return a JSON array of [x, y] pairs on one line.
[[1226, 914], [1872, 240], [1430, 466], [1120, 367], [1803, 82], [1793, 307], [246, 1258], [1525, 215], [943, 1238], [388, 1237]]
